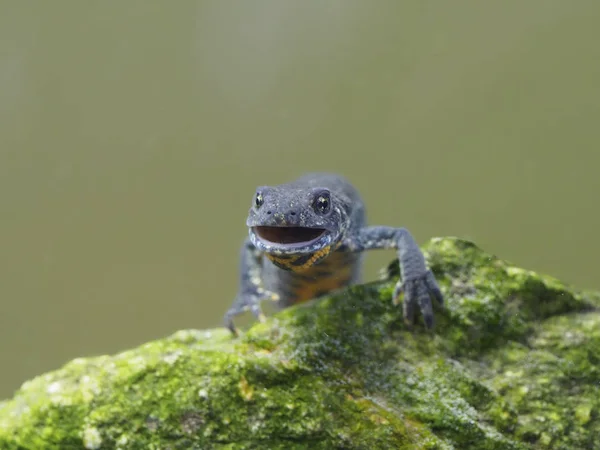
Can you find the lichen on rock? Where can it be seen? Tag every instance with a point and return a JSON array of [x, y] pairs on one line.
[[513, 363]]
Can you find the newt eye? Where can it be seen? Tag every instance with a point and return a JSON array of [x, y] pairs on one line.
[[258, 200], [322, 203]]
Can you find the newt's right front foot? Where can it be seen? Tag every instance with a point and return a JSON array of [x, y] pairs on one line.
[[248, 300]]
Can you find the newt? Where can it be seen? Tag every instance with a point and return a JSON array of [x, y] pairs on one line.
[[307, 238]]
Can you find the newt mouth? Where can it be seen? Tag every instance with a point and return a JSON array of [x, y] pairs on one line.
[[289, 236]]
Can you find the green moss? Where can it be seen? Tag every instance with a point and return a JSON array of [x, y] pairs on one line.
[[513, 364]]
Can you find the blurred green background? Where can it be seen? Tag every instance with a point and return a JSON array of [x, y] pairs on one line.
[[133, 133]]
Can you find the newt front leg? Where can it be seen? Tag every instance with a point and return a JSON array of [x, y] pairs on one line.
[[251, 291], [417, 282]]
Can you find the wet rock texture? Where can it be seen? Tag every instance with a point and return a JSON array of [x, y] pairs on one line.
[[513, 363]]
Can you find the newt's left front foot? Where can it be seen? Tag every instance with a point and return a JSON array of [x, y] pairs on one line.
[[418, 292]]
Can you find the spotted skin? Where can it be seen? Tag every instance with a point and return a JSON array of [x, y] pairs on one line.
[[334, 272], [280, 261]]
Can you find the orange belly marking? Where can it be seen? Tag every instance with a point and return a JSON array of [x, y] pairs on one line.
[[319, 284]]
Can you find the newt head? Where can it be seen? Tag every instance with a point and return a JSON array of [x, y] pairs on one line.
[[295, 227]]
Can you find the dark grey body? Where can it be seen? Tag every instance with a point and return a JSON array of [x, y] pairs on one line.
[[339, 269], [306, 238]]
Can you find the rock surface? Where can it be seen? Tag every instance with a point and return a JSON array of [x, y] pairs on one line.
[[513, 363]]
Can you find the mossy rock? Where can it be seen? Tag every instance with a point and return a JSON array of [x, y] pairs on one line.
[[513, 363]]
